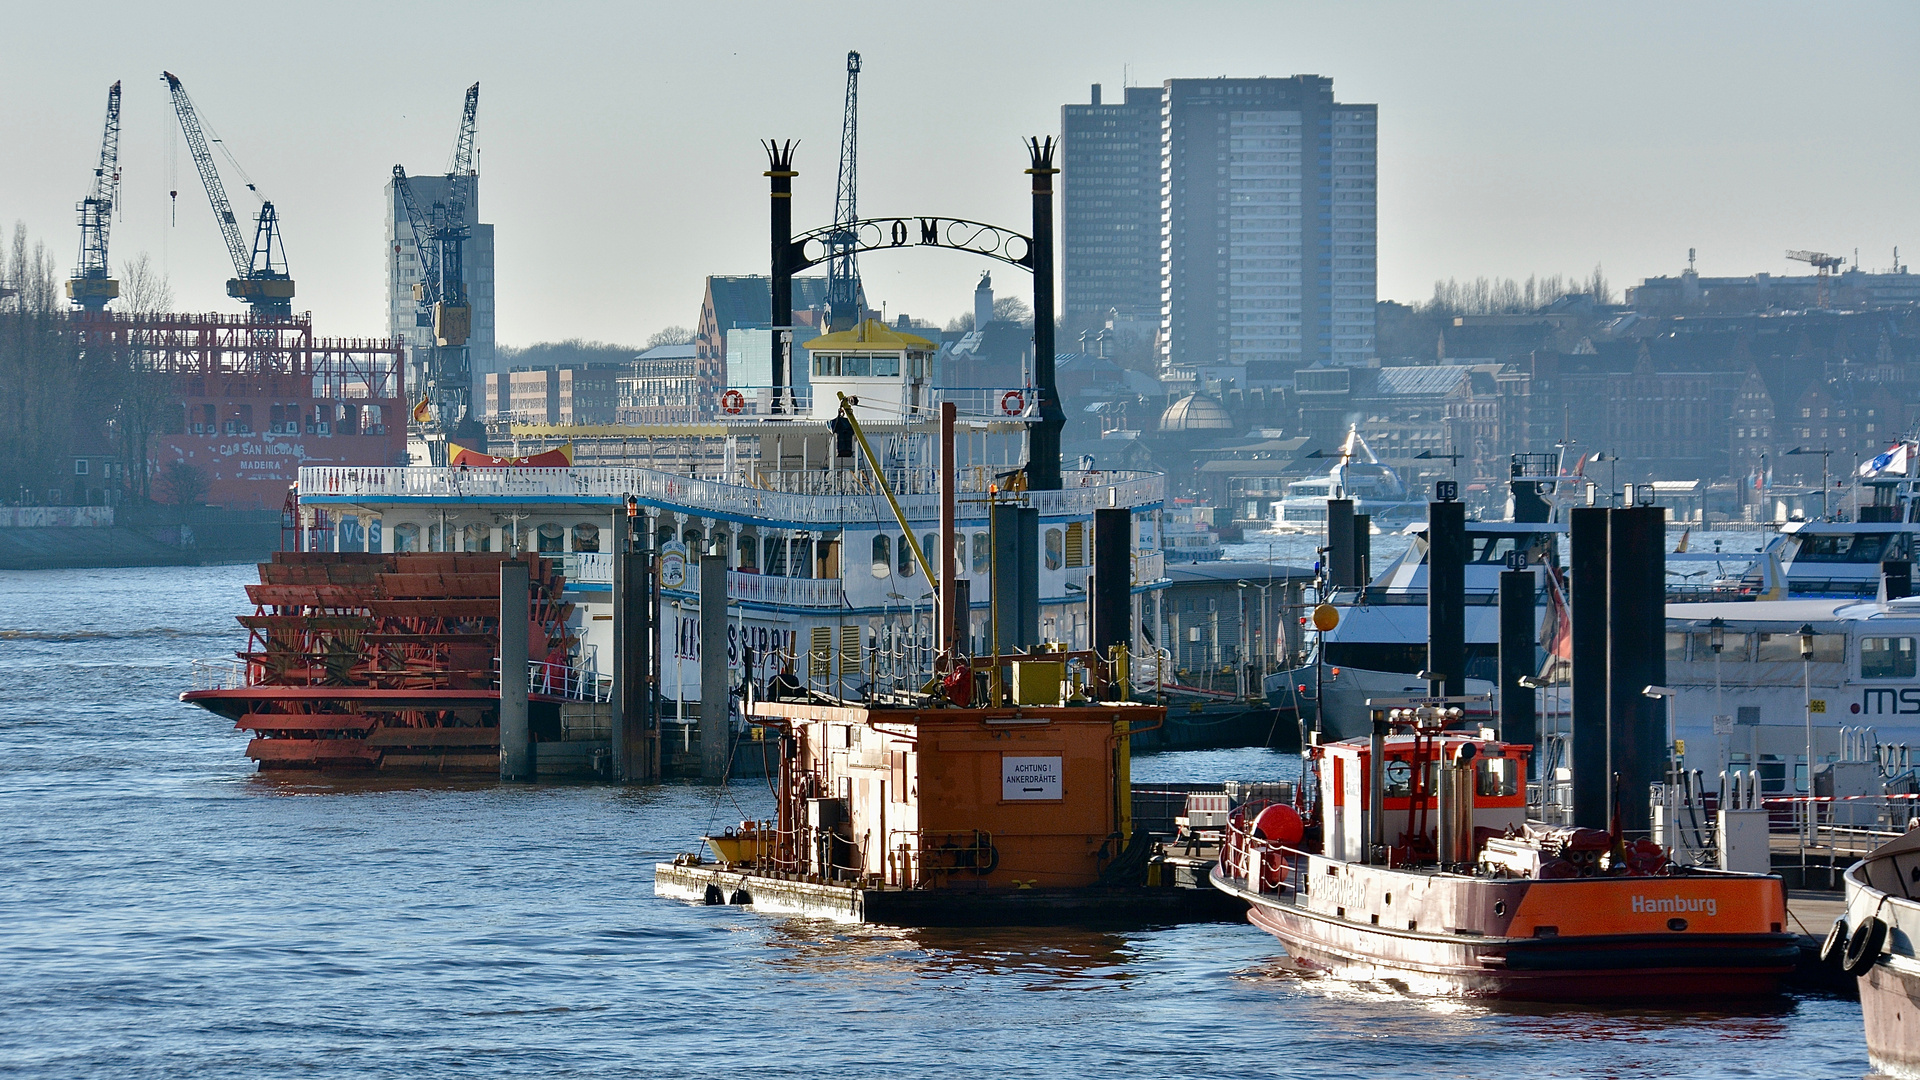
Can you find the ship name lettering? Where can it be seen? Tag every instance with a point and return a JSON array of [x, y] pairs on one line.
[[1664, 905]]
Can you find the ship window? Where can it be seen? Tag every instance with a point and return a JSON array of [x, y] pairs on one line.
[[435, 542], [1497, 776], [853, 364], [886, 365], [1842, 548], [586, 537], [930, 547], [1676, 646], [551, 537], [882, 555], [1827, 648], [826, 364], [749, 553], [477, 538], [1886, 658], [1733, 649], [406, 537], [1054, 545], [982, 554], [906, 558]]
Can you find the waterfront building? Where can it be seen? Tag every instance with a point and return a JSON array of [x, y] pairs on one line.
[[404, 271], [573, 394], [1267, 229], [741, 303], [1109, 208]]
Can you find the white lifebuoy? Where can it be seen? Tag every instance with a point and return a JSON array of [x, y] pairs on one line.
[[1013, 403], [733, 401]]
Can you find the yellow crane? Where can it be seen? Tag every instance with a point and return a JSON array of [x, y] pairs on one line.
[[1823, 264]]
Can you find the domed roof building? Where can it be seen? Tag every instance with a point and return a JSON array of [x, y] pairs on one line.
[[1195, 412]]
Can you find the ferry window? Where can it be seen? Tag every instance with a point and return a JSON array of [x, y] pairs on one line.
[[826, 364], [1055, 544], [1886, 658], [749, 553], [406, 537], [1676, 646], [435, 540], [1497, 776], [551, 537], [856, 365], [882, 555], [478, 538], [1841, 548], [886, 365], [906, 558], [1827, 648], [586, 537], [1733, 648], [982, 554], [930, 547]]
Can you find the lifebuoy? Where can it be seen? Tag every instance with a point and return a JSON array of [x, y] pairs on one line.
[[733, 401], [1013, 403], [1863, 946]]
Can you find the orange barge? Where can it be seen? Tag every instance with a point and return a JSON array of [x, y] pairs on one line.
[[387, 662]]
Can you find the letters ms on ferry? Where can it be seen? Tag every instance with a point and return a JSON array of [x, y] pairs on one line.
[[1881, 700]]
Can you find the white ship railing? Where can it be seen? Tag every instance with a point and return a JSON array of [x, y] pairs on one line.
[[220, 675], [785, 591], [588, 567], [555, 679], [1081, 492], [1149, 566]]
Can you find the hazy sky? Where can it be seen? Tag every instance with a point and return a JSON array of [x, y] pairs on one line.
[[620, 160]]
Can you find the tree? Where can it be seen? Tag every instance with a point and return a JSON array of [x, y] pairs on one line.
[[961, 324], [45, 382], [146, 397], [672, 335], [143, 289], [186, 483], [1012, 309]]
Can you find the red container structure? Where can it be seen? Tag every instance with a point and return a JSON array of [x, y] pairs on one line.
[[370, 661]]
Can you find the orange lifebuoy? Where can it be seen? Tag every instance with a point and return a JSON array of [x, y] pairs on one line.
[[733, 401], [1013, 403]]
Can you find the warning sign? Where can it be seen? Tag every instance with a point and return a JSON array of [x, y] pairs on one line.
[[1029, 778]]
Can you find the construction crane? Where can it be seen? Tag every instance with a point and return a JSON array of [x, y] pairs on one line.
[[440, 232], [1823, 264], [261, 281], [91, 285], [844, 296]]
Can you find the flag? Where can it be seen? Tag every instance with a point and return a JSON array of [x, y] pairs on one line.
[[1892, 460], [1685, 534], [421, 414], [1557, 638]]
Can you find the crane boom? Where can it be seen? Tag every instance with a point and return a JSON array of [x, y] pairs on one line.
[[463, 144], [843, 275], [92, 284], [209, 176], [422, 236]]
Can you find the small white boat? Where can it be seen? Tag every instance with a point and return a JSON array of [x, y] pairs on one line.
[[1376, 490]]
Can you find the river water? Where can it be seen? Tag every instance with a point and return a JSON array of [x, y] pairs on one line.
[[166, 912]]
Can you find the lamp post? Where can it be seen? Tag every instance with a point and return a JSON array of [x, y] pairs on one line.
[[1613, 472], [1717, 641], [1826, 512], [1806, 675]]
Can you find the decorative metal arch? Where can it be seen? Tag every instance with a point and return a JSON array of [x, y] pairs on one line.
[[881, 234]]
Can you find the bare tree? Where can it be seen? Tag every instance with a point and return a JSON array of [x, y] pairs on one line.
[[186, 483], [672, 335], [146, 398], [1012, 309], [144, 290], [961, 323]]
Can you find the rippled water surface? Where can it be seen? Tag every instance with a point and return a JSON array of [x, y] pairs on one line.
[[165, 912]]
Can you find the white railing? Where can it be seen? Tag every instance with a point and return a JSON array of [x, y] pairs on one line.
[[1001, 402], [1081, 492], [563, 680], [590, 567], [785, 591], [220, 675], [1149, 566], [758, 401]]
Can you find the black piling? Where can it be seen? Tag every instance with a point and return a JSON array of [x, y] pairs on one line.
[[1447, 594], [1362, 548], [1897, 574], [1518, 656], [1636, 658], [1016, 574], [1588, 589], [1340, 561], [1112, 583]]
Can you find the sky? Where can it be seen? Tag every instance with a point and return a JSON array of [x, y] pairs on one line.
[[620, 158]]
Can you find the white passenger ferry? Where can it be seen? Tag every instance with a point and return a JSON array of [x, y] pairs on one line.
[[1376, 490]]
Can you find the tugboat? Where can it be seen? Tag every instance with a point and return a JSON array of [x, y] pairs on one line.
[[1883, 911], [1409, 856], [1450, 890]]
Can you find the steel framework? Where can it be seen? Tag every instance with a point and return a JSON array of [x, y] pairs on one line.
[[92, 284]]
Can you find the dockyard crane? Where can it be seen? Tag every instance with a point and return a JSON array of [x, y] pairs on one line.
[[92, 284], [261, 281], [440, 233], [844, 296], [1823, 264]]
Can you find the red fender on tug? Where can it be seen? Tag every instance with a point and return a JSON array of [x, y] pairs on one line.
[[1279, 824]]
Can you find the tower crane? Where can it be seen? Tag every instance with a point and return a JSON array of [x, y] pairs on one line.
[[91, 285], [440, 232], [261, 281], [844, 295], [1823, 264]]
